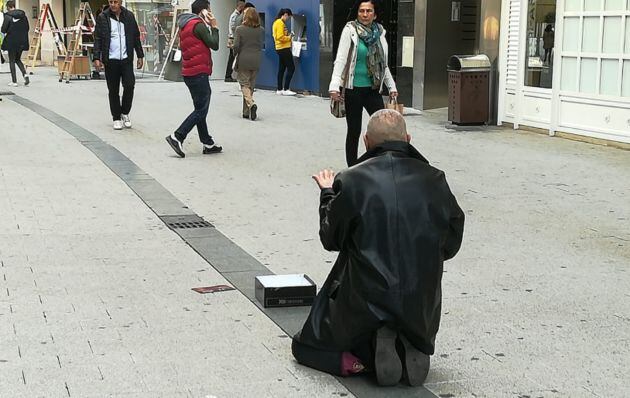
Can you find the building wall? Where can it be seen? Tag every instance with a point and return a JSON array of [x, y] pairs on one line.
[[31, 8], [307, 65], [440, 33], [489, 32], [49, 51], [446, 37], [222, 11], [590, 90]]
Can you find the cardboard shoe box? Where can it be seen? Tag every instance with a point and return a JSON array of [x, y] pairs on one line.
[[285, 290]]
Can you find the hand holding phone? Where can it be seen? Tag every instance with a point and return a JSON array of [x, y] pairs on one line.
[[209, 18]]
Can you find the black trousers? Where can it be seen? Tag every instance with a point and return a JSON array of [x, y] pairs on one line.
[[355, 100], [286, 64], [199, 87], [115, 71], [14, 59], [228, 69], [330, 361]]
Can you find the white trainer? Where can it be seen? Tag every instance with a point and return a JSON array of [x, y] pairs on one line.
[[279, 92], [126, 121], [11, 84], [288, 92], [118, 125]]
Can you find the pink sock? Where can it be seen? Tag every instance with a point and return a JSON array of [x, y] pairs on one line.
[[350, 364]]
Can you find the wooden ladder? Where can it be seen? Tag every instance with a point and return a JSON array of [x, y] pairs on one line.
[[75, 43], [46, 17]]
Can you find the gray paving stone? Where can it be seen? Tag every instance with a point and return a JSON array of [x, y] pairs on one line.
[[546, 241], [114, 283]]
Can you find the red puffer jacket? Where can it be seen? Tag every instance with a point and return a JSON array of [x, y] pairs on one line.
[[196, 58]]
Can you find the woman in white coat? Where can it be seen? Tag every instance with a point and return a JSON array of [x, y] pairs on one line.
[[363, 50]]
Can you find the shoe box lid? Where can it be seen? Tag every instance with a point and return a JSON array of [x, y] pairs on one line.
[[285, 290]]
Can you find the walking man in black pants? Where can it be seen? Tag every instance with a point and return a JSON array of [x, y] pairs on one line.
[[116, 37], [15, 27]]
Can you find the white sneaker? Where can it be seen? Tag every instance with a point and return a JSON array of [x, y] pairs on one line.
[[288, 92], [126, 121], [118, 125], [279, 92], [11, 84]]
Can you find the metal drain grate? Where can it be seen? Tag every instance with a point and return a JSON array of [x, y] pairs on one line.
[[191, 221], [189, 224]]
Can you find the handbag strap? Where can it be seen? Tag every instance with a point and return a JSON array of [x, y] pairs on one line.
[[346, 72]]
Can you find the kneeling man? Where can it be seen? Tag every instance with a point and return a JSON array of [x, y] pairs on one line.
[[394, 221]]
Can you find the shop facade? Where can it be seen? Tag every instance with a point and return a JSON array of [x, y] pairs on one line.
[[566, 67], [422, 36]]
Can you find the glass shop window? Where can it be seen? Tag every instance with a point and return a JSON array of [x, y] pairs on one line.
[[541, 22], [263, 23], [298, 28], [595, 48]]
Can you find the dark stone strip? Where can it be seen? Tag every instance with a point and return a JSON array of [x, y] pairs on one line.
[[229, 259]]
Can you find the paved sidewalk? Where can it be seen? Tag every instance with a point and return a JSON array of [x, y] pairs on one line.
[[535, 304], [95, 295]]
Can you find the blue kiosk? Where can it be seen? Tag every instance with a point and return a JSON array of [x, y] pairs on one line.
[[305, 24]]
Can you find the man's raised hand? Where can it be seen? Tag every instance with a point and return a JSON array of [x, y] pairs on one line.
[[324, 178]]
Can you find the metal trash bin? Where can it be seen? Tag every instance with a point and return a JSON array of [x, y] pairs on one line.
[[468, 89]]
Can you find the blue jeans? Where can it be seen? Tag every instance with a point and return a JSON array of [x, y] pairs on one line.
[[199, 87]]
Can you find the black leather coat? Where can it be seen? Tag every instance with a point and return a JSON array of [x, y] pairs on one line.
[[394, 221]]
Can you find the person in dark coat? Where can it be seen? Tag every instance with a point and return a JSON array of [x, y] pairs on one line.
[[15, 27], [394, 221], [116, 36]]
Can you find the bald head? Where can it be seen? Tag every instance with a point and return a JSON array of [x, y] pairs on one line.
[[385, 125]]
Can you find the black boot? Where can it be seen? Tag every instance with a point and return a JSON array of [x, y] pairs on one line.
[[386, 360], [416, 362]]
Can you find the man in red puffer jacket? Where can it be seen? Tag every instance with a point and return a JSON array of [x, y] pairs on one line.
[[198, 34]]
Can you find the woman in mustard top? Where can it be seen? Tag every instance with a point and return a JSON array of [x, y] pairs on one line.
[[282, 40]]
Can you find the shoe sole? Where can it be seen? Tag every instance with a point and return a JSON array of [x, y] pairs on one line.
[[417, 363], [175, 148], [386, 360], [252, 112], [211, 152]]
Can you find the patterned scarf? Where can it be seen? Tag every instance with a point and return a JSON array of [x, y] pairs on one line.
[[371, 36]]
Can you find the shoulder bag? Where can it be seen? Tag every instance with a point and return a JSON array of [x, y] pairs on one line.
[[338, 108]]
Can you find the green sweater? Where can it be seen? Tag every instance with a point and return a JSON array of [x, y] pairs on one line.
[[209, 37], [362, 76]]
